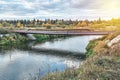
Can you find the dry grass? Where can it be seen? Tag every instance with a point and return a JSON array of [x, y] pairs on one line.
[[103, 65], [100, 68], [94, 68]]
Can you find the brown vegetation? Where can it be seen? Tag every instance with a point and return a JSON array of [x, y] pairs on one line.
[[101, 25], [104, 64]]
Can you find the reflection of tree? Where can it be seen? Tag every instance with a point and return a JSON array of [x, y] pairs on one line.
[[10, 55]]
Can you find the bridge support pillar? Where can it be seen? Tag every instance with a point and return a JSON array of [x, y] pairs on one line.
[[30, 37]]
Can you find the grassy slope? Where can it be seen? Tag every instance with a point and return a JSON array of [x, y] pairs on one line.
[[12, 40], [103, 63]]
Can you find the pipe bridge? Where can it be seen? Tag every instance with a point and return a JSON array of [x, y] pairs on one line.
[[63, 32], [72, 32]]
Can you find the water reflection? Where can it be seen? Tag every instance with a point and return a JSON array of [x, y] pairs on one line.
[[24, 63], [73, 44], [18, 65]]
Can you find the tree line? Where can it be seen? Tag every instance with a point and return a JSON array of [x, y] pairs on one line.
[[48, 23]]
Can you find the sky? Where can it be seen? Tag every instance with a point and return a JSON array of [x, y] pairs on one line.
[[59, 9]]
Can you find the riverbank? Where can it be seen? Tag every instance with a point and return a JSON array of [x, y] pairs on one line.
[[103, 62], [14, 40], [7, 38], [43, 38]]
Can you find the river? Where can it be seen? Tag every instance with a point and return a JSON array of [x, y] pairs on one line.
[[42, 58]]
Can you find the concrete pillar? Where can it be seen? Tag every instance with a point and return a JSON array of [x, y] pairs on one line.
[[30, 37]]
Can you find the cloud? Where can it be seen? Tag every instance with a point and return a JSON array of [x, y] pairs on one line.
[[59, 8]]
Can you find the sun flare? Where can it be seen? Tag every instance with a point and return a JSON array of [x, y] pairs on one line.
[[112, 8]]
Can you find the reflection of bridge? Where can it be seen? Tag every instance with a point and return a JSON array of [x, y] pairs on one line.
[[63, 32]]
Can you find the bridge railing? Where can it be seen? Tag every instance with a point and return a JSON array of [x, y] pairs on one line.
[[70, 31]]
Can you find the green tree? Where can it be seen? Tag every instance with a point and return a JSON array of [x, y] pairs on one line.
[[5, 24]]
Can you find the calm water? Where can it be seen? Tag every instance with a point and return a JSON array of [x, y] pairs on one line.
[[26, 64], [72, 44]]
